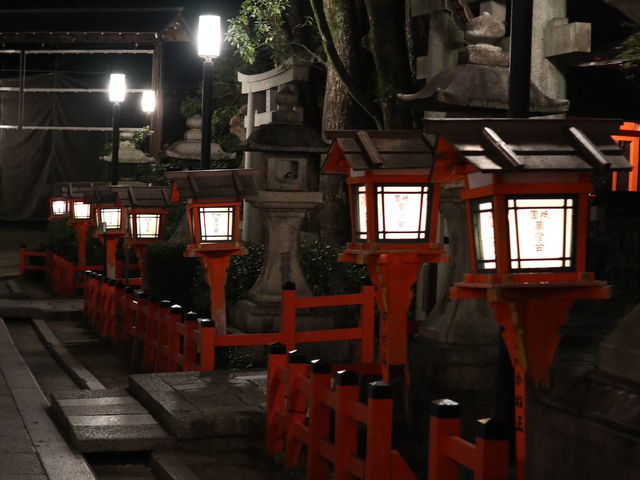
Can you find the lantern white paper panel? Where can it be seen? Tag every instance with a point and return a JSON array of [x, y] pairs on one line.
[[402, 212], [216, 224], [81, 210], [148, 225], [485, 237], [361, 213], [541, 232], [59, 207], [110, 216]]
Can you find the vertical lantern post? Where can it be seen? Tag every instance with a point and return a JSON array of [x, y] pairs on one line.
[[214, 201], [527, 201], [110, 220], [146, 219], [209, 43], [394, 220], [117, 93], [80, 214]]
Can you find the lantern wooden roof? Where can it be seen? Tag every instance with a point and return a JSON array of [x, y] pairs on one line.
[[212, 185], [512, 145], [374, 149], [75, 189], [103, 196], [143, 197]]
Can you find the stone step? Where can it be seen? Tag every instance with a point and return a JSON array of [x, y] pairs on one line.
[[108, 420], [194, 405]]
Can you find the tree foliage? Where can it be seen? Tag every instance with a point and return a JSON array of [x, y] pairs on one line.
[[259, 24], [274, 27]]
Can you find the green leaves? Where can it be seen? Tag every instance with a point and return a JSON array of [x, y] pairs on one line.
[[258, 25]]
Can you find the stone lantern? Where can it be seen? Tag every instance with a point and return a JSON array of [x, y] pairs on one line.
[[291, 155]]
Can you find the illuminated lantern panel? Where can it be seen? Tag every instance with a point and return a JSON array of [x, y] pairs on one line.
[[361, 213], [541, 233], [59, 207], [216, 224], [485, 245], [147, 225], [111, 217], [402, 212], [81, 210]]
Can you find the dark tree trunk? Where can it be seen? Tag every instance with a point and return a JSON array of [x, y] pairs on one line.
[[339, 112], [387, 42]]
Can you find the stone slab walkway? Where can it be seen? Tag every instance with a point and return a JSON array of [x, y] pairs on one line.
[[30, 446], [196, 405], [107, 420]]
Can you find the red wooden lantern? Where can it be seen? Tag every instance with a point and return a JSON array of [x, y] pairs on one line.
[[214, 200], [110, 220], [58, 203], [394, 221], [146, 217], [527, 203]]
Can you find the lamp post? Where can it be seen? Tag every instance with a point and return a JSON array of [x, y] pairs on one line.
[[214, 200], [527, 195], [117, 93], [209, 42]]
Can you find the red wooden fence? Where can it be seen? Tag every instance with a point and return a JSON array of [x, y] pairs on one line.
[[65, 277], [488, 458], [300, 400], [157, 331]]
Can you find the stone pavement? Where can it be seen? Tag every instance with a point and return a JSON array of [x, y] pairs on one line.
[[30, 446], [212, 404]]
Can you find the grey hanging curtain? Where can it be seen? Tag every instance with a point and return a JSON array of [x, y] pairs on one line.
[[32, 160]]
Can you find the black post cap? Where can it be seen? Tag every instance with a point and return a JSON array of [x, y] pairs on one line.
[[191, 316], [165, 303], [111, 282], [320, 367], [128, 290], [277, 348], [296, 356], [445, 408], [87, 273], [347, 378], [207, 323], [380, 390], [141, 295], [490, 429], [177, 309]]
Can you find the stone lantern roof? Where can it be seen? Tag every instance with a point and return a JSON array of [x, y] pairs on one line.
[[480, 82]]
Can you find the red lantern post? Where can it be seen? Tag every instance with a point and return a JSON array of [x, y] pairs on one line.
[[394, 221], [110, 220], [527, 205], [214, 201], [147, 212]]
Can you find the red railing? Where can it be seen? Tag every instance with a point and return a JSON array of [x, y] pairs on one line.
[[488, 458], [165, 340], [64, 276], [300, 402]]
